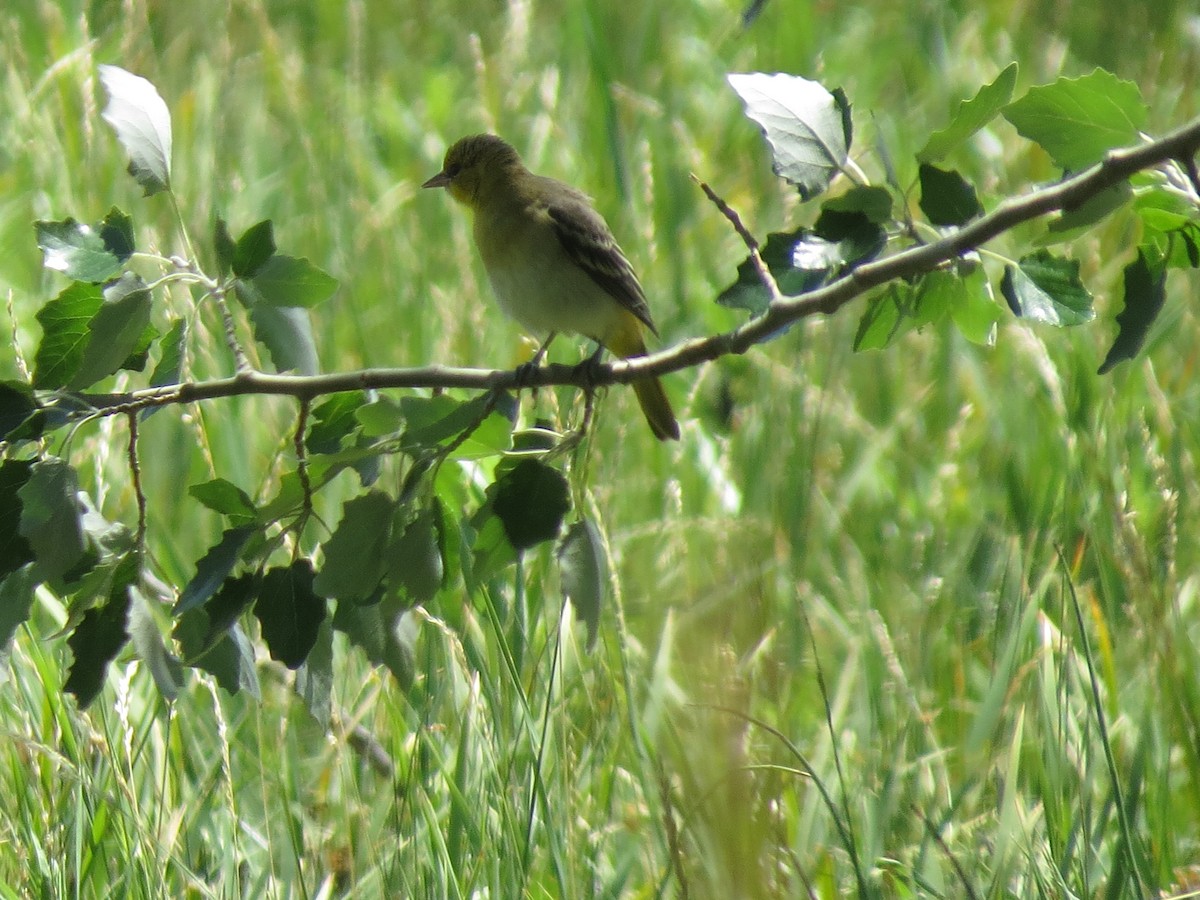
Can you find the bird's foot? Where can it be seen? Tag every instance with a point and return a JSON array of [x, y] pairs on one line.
[[526, 373], [589, 370]]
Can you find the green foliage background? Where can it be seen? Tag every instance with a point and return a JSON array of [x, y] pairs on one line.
[[871, 553]]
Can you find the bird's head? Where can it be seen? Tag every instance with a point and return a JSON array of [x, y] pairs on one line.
[[475, 167]]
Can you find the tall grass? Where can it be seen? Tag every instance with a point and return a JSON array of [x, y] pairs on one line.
[[912, 623]]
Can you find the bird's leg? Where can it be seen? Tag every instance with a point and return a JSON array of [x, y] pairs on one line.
[[525, 370], [589, 368], [537, 357]]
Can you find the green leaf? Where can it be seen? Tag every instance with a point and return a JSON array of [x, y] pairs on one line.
[[1145, 294], [253, 249], [584, 570], [65, 336], [287, 334], [140, 355], [50, 518], [224, 247], [382, 416], [807, 127], [142, 122], [164, 666], [970, 116], [288, 499], [228, 603], [1077, 120], [491, 550], [531, 500], [1170, 226], [1162, 211], [214, 568], [333, 421], [1046, 288], [432, 421], [385, 635], [16, 601], [226, 498], [400, 654], [109, 540], [1074, 222], [15, 550], [230, 660], [873, 202], [415, 558], [886, 318], [78, 251], [858, 237], [492, 438], [355, 555], [92, 586], [934, 296], [95, 642], [973, 308], [116, 230], [801, 261], [363, 625], [314, 679], [1184, 247], [288, 281], [946, 197], [170, 362], [100, 635], [21, 419], [289, 612], [115, 331]]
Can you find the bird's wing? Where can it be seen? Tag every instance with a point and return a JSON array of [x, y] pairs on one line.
[[588, 242]]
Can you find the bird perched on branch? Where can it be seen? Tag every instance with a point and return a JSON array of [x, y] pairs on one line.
[[552, 260]]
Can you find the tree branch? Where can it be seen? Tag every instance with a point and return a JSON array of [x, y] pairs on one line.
[[1181, 145]]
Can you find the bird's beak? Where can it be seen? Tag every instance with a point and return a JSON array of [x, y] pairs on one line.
[[441, 179]]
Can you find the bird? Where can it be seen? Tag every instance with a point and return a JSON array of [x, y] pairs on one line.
[[552, 260]]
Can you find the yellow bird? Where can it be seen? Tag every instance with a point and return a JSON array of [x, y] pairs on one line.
[[552, 260]]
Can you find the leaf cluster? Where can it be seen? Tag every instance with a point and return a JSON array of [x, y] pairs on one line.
[[266, 574], [1075, 121]]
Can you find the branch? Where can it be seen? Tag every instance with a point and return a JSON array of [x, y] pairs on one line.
[[135, 472], [1118, 165]]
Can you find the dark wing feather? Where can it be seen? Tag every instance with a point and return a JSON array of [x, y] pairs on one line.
[[589, 243]]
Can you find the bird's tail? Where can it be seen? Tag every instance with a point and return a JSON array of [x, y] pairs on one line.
[[657, 409], [625, 342]]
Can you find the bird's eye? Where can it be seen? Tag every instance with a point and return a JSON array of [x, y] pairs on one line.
[[451, 170]]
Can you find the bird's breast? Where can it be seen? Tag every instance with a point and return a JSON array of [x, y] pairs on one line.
[[538, 285]]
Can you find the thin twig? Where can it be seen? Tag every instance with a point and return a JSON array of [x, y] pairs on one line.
[[302, 456], [756, 260], [135, 471], [240, 362], [216, 290], [489, 407]]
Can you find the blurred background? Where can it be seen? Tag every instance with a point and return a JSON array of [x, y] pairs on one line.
[[856, 572]]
